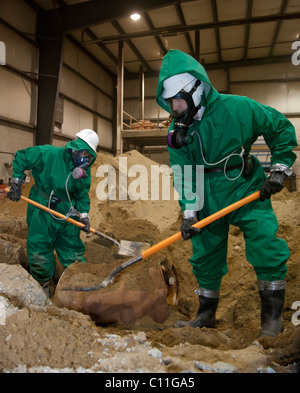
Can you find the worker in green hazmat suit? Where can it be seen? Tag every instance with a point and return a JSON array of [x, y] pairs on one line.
[[62, 179], [215, 132]]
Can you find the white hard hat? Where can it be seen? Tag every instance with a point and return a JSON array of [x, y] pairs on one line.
[[175, 83], [90, 137]]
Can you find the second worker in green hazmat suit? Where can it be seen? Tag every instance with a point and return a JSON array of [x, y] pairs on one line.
[[215, 132], [62, 180]]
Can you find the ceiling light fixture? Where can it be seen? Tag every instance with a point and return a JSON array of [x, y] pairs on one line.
[[135, 16]]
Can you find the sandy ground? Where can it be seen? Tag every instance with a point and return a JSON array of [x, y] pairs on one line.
[[53, 339]]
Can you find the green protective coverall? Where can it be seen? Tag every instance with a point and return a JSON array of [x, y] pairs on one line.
[[229, 123], [51, 167]]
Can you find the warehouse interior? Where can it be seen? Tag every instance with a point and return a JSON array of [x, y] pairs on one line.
[[73, 64], [69, 65]]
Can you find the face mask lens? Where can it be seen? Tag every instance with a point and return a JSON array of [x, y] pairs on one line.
[[82, 158], [177, 106]]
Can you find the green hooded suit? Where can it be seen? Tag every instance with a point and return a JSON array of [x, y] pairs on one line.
[[51, 167], [229, 123]]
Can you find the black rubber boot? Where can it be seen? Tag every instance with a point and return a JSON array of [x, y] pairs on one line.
[[46, 287], [272, 294], [206, 314]]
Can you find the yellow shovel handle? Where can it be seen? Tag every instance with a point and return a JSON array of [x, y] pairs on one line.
[[201, 224]]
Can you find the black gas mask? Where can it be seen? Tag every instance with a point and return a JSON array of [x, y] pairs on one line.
[[183, 110], [82, 160]]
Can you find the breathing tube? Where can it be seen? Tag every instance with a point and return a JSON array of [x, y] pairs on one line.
[[81, 163], [72, 211], [226, 159]]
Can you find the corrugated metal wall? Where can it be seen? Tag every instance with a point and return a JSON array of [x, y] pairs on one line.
[[86, 90]]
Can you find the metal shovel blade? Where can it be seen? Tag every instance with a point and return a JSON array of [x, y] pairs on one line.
[[132, 248]]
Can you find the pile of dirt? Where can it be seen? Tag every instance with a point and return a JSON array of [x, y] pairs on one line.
[[49, 338]]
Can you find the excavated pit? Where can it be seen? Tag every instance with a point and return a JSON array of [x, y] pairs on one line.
[[34, 338]]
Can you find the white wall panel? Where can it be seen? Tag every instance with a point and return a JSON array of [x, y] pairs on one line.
[[82, 64], [218, 79], [102, 104], [58, 142], [269, 94], [265, 72], [293, 97], [282, 97], [104, 132], [131, 88], [151, 86], [76, 88], [13, 139], [75, 119], [71, 119], [18, 14], [20, 53], [296, 123], [153, 111], [81, 91], [15, 97], [86, 119], [132, 108]]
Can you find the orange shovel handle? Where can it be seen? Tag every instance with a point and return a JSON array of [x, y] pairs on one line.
[[55, 213], [201, 224]]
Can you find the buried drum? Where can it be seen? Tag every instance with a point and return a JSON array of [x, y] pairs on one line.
[[144, 289]]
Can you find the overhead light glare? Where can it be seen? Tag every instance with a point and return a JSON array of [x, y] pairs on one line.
[[135, 16]]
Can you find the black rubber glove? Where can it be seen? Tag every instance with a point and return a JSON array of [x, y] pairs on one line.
[[273, 184], [86, 222], [14, 194], [187, 230]]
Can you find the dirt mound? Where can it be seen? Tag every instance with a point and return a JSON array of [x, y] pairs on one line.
[[43, 339]]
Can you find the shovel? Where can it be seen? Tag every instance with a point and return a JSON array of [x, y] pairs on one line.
[[130, 248], [159, 246]]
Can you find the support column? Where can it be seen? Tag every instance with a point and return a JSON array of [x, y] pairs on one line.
[[120, 94], [142, 94], [51, 40]]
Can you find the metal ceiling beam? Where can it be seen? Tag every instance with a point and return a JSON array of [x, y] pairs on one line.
[[183, 22], [131, 46], [284, 5], [61, 3], [88, 54], [247, 31], [108, 53], [197, 45], [203, 26], [229, 64], [217, 32], [157, 38], [89, 13]]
